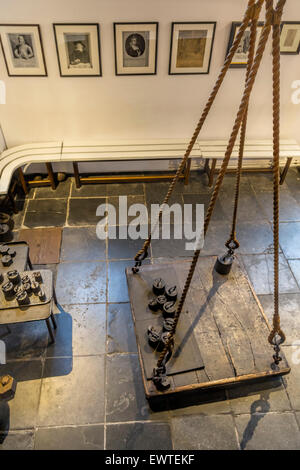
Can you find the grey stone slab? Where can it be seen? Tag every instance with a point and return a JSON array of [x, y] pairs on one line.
[[17, 440], [117, 284], [295, 267], [25, 340], [219, 213], [289, 313], [289, 208], [264, 397], [82, 211], [70, 438], [119, 248], [289, 236], [120, 329], [81, 282], [249, 208], [80, 331], [292, 380], [138, 436], [254, 237], [199, 432], [23, 408], [274, 431], [62, 190], [73, 396], [126, 189], [82, 244], [89, 190], [260, 269], [45, 213], [125, 398]]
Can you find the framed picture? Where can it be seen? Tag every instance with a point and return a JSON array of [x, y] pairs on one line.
[[23, 50], [135, 48], [240, 58], [191, 47], [290, 37], [78, 49]]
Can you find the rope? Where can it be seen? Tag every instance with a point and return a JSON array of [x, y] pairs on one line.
[[142, 253], [240, 115], [276, 336], [232, 238]]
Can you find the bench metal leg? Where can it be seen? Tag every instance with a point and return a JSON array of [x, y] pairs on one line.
[[50, 330], [187, 171], [76, 175], [22, 181], [29, 263], [51, 175], [285, 170]]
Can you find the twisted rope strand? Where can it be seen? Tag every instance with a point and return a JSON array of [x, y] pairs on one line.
[[243, 106], [211, 99]]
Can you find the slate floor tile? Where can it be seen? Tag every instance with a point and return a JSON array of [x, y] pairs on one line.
[[248, 205], [89, 190], [82, 244], [46, 213], [262, 397], [204, 433], [289, 236], [81, 283], [73, 396], [217, 235], [218, 213], [80, 331], [25, 340], [289, 208], [127, 210], [62, 190], [23, 408], [292, 380], [260, 269], [125, 248], [120, 329], [117, 283], [289, 313], [125, 189], [82, 211], [17, 440], [295, 267], [126, 398], [70, 438], [274, 431], [254, 237], [138, 436], [170, 248]]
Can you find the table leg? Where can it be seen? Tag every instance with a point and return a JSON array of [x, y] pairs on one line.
[[285, 170], [50, 330], [51, 175], [76, 175]]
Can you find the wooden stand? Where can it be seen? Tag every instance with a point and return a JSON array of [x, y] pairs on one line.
[[226, 321], [50, 181]]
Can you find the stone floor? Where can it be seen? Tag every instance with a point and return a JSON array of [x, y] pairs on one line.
[[85, 391]]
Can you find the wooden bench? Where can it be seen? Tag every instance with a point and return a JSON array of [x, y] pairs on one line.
[[256, 153], [258, 156], [105, 151]]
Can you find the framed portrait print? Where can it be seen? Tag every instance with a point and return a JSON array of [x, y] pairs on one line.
[[191, 47], [290, 37], [135, 48], [240, 58], [23, 50], [78, 49]]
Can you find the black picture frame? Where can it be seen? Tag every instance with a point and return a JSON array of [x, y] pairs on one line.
[[234, 26], [24, 25], [214, 23], [72, 75], [283, 23], [115, 25]]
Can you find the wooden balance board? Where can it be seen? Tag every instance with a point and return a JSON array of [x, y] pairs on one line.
[[222, 335]]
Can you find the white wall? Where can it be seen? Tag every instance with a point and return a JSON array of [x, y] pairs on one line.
[[51, 108]]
